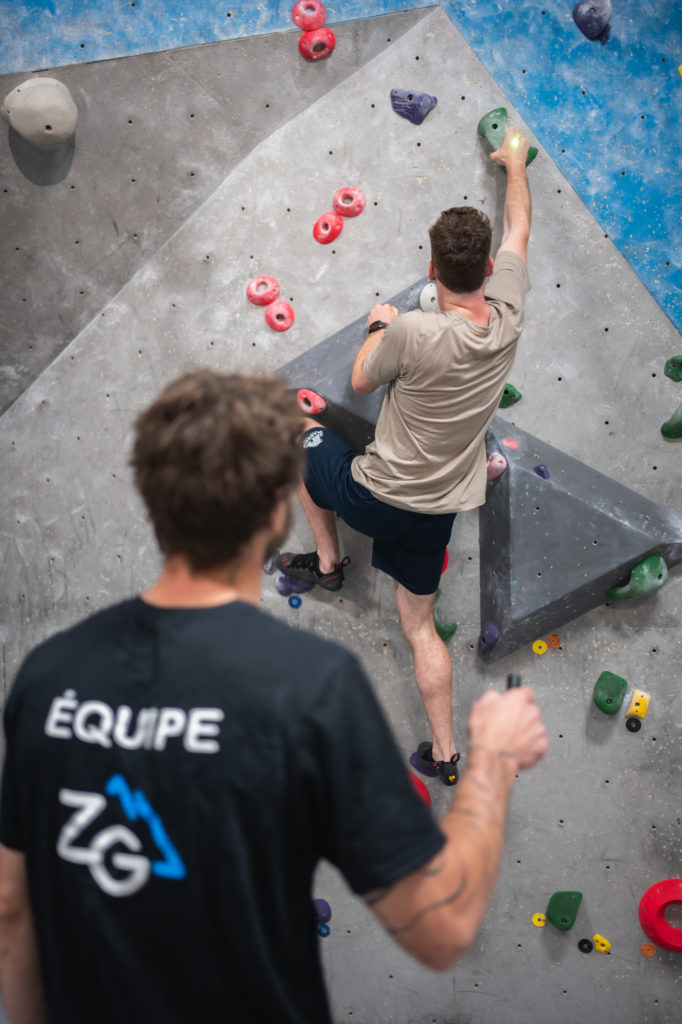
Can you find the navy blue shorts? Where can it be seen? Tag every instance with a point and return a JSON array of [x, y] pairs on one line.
[[409, 546]]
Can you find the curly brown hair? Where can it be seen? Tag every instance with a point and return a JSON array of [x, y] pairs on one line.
[[460, 247], [212, 456]]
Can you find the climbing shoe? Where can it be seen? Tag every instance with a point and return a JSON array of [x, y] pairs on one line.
[[307, 567], [446, 771]]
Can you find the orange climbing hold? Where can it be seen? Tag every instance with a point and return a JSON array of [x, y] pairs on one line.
[[648, 949], [553, 640]]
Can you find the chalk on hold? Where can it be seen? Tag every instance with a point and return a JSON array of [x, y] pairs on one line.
[[609, 691], [652, 914], [490, 634], [412, 105], [493, 128], [349, 202], [639, 705], [495, 466], [646, 577], [327, 227], [673, 368], [279, 315], [593, 18], [318, 44], [444, 629], [562, 909], [510, 396], [601, 944], [262, 290], [672, 428], [42, 111], [309, 14], [310, 402]]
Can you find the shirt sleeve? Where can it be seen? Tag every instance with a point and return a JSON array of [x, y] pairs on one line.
[[385, 362], [11, 831], [375, 828], [509, 280]]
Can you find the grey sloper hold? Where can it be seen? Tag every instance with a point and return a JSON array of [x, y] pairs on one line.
[[42, 111]]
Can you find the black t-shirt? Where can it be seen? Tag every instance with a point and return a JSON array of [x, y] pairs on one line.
[[173, 777]]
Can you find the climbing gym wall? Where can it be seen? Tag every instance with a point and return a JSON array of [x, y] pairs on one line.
[[205, 151]]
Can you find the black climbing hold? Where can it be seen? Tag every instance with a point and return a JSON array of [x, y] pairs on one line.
[[585, 946], [412, 105], [633, 724], [593, 18]]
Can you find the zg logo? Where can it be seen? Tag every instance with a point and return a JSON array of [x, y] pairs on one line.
[[133, 867]]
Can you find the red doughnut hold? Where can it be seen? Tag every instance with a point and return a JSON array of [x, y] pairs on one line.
[[652, 908], [309, 14], [279, 316], [327, 227], [318, 44], [262, 290], [349, 202], [420, 789], [310, 402]]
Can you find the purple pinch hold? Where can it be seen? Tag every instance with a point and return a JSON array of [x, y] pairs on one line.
[[542, 471], [412, 105], [593, 18], [323, 911], [490, 634], [285, 585]]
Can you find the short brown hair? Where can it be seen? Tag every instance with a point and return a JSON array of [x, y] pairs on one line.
[[460, 247], [212, 456]]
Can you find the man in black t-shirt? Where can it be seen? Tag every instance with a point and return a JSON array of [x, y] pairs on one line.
[[178, 764]]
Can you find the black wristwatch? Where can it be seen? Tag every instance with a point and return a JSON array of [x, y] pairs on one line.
[[377, 325]]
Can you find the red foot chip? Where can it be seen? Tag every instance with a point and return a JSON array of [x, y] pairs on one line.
[[349, 202], [328, 227], [509, 442], [309, 14], [318, 44], [279, 316], [310, 402], [262, 290]]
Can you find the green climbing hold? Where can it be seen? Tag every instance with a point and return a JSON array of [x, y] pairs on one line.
[[646, 577], [444, 629], [673, 427], [493, 127], [510, 396], [562, 909], [673, 368], [609, 691]]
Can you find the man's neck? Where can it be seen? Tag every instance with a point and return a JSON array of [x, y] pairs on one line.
[[472, 305], [179, 587]]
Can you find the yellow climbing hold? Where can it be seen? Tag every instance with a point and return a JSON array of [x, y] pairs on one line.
[[639, 705], [539, 920], [539, 647], [602, 944]]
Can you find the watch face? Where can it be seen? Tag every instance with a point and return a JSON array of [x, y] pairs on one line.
[[377, 325]]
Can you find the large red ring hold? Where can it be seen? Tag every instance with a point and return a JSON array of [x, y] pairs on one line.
[[262, 290], [349, 202], [309, 14], [652, 908], [327, 227], [318, 44], [310, 402], [279, 316], [420, 789]]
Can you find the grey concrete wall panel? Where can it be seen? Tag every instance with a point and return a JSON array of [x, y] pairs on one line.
[[156, 136], [550, 548], [601, 813]]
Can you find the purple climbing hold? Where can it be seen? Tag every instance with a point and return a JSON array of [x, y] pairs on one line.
[[412, 105], [269, 566], [542, 471], [593, 18], [490, 634], [286, 586], [323, 911]]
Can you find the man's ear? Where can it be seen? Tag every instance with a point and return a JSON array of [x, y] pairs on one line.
[[432, 272], [491, 264]]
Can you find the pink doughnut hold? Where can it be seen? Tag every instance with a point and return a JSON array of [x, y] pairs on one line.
[[318, 44], [309, 14], [349, 202], [262, 290], [327, 227], [310, 402], [279, 315]]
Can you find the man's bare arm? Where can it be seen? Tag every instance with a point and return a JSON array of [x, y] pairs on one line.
[[22, 989], [359, 380], [435, 912], [517, 204]]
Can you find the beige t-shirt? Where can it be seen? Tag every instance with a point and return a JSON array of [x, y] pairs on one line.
[[445, 377]]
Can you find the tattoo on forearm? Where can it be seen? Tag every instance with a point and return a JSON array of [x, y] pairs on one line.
[[421, 914]]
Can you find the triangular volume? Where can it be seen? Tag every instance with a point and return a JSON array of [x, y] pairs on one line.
[[554, 535]]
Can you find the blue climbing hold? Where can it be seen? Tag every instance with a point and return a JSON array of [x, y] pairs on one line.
[[412, 105], [542, 471], [593, 18], [295, 601], [490, 634], [286, 586]]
